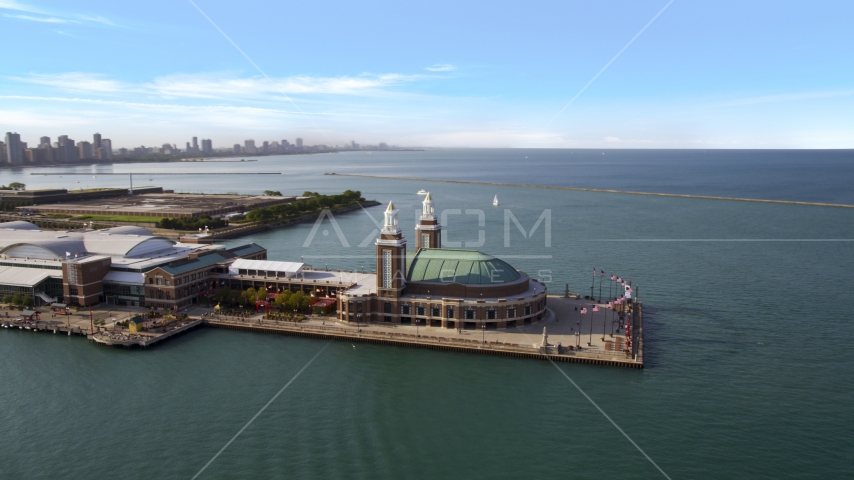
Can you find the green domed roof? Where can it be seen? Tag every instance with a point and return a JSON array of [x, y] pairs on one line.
[[469, 267]]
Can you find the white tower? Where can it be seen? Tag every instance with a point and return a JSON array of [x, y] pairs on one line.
[[391, 256], [428, 231]]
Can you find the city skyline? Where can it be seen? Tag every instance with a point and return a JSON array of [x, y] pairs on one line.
[[650, 74], [17, 151]]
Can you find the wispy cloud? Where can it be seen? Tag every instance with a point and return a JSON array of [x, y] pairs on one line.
[[75, 81], [223, 86], [786, 97], [441, 67], [196, 110], [40, 19], [612, 140], [50, 16]]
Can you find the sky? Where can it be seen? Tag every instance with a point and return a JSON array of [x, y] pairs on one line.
[[534, 74]]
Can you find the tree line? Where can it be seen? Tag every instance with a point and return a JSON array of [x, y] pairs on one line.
[[286, 300], [193, 223], [315, 202]]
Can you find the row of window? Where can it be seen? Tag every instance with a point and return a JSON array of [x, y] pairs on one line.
[[178, 281], [470, 313]]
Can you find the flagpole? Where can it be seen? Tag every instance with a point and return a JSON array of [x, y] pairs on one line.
[[590, 340], [604, 323], [599, 300], [610, 282], [593, 284]]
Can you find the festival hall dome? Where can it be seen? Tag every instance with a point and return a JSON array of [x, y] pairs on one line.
[[467, 267]]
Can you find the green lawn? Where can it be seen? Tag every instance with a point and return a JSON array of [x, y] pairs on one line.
[[118, 218]]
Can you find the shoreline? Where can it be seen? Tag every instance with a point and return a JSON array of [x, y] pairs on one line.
[[597, 190], [199, 159]]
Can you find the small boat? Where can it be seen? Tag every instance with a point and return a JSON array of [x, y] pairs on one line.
[[495, 201], [422, 192]]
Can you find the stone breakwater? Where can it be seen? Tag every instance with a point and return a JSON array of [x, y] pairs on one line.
[[598, 190]]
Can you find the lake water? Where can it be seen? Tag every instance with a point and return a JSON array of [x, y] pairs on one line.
[[748, 373]]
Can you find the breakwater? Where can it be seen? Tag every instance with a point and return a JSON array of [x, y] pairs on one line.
[[597, 190]]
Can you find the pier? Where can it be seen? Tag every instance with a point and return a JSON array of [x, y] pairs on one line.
[[520, 342], [515, 350]]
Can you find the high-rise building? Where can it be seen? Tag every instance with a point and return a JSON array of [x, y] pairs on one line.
[[96, 144], [44, 141], [266, 147], [236, 148], [14, 149], [195, 144], [107, 149], [188, 150], [2, 152], [249, 147], [207, 145], [85, 150], [299, 144]]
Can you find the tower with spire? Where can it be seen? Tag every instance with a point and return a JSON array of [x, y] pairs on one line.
[[391, 257], [428, 231]]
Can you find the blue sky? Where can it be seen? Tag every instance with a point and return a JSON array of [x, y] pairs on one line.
[[723, 74]]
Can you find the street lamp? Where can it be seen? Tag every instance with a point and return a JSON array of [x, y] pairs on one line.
[[483, 332], [577, 339], [416, 328]]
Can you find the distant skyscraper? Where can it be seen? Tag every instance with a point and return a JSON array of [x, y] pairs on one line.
[[249, 147], [14, 149], [195, 144], [66, 151], [266, 148], [2, 152], [299, 144], [97, 143], [207, 145], [85, 150], [236, 148], [189, 148], [44, 141], [107, 149]]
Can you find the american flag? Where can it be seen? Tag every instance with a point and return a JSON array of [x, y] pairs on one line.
[[610, 304], [594, 272], [583, 311], [596, 308], [613, 277], [602, 273]]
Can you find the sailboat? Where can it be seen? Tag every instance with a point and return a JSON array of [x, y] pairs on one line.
[[495, 201]]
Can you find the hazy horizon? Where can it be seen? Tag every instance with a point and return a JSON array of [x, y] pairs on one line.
[[647, 74]]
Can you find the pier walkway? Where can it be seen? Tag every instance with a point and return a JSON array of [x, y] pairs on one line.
[[568, 333]]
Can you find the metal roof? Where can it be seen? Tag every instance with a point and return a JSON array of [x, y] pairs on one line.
[[19, 225], [288, 268], [190, 264], [54, 244], [26, 277], [130, 278], [247, 249], [470, 267]]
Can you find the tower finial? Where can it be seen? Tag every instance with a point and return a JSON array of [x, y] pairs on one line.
[[390, 206]]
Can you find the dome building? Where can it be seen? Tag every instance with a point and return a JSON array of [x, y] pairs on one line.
[[439, 287]]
